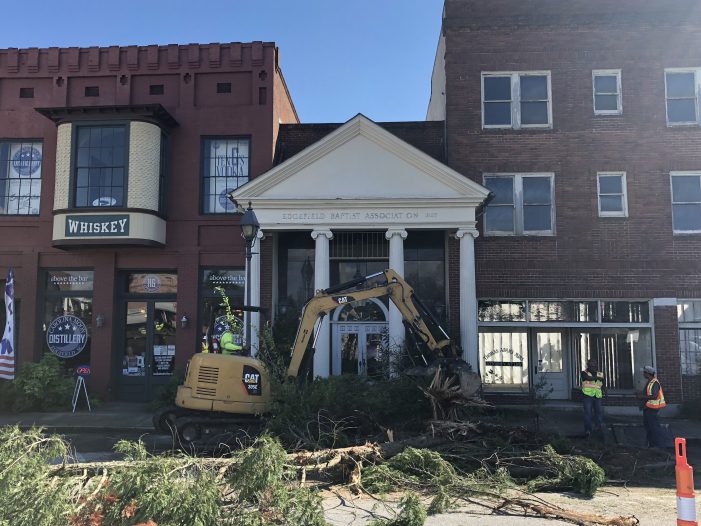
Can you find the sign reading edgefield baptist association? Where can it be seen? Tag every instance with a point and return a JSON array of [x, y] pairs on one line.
[[97, 225]]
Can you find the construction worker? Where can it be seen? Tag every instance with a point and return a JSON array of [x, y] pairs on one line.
[[653, 398], [592, 393], [228, 344]]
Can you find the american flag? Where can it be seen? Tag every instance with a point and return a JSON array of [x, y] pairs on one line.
[[7, 350]]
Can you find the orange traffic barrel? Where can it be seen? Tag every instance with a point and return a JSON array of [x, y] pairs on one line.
[[686, 503]]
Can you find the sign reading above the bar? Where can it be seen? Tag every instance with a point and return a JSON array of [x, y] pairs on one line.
[[97, 225]]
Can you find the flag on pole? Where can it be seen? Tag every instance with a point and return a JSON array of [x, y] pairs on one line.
[[7, 348]]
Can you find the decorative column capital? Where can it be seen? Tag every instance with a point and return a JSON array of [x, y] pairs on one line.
[[326, 233], [396, 232], [462, 232]]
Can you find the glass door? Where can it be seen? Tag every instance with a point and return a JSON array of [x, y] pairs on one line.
[[357, 349], [550, 369], [148, 348]]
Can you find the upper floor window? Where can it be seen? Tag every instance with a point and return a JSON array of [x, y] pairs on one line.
[[100, 166], [689, 317], [522, 204], [516, 100], [20, 177], [613, 201], [607, 92], [225, 168], [682, 88], [686, 202]]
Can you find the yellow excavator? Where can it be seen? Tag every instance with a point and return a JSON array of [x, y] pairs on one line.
[[224, 392]]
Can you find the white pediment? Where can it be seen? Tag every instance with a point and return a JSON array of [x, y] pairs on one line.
[[363, 167]]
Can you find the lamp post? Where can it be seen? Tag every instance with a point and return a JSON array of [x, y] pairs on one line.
[[249, 232]]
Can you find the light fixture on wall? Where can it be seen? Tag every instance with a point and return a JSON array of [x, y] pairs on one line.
[[99, 321], [184, 321]]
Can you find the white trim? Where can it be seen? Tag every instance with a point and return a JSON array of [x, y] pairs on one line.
[[623, 194], [608, 73], [671, 193], [515, 100], [695, 71], [518, 230]]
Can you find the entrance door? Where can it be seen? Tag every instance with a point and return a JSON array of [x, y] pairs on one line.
[[148, 342], [356, 348], [550, 367]]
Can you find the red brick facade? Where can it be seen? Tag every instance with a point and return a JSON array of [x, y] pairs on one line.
[[634, 257]]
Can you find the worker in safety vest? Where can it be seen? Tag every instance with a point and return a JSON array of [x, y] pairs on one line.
[[228, 344], [592, 393], [653, 401]]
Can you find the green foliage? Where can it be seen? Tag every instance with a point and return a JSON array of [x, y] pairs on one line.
[[579, 473], [40, 386], [336, 411], [165, 395], [235, 324], [29, 496], [441, 503], [262, 467], [412, 513], [159, 488], [275, 357], [412, 468]]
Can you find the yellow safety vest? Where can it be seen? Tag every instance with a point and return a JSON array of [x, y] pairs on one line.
[[594, 385], [227, 343], [659, 402]]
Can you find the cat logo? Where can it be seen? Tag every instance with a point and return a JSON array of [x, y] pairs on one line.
[[342, 300], [252, 381], [251, 378]]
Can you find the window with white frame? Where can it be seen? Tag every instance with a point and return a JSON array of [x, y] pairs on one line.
[[689, 318], [681, 91], [522, 204], [611, 187], [686, 202], [20, 177], [516, 100], [607, 92]]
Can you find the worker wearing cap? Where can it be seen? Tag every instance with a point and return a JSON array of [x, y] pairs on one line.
[[592, 393], [653, 398]]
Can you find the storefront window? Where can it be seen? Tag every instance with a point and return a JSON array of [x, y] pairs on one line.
[[504, 360], [67, 316], [212, 311], [501, 310], [620, 352]]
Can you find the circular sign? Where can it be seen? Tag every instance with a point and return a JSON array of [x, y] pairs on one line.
[[67, 336], [224, 200], [26, 160], [83, 370], [151, 283]]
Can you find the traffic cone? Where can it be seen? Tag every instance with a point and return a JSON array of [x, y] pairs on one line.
[[686, 503]]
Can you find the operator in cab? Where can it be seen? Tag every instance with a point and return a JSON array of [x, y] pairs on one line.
[[228, 344]]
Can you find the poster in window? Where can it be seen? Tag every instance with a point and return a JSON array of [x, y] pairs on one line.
[[228, 167], [163, 360], [23, 185]]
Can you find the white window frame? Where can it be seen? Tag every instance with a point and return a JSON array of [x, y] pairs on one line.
[[516, 100], [671, 193], [518, 205], [686, 325], [607, 73], [697, 78], [623, 194]]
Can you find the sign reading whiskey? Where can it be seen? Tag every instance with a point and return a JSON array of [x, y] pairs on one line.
[[97, 225]]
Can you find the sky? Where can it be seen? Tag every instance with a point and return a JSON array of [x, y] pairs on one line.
[[338, 57]]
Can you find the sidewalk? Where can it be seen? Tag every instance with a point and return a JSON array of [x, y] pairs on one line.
[[113, 416]]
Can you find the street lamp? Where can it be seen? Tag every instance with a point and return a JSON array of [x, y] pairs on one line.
[[249, 232]]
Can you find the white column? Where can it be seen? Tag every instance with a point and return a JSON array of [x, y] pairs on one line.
[[322, 355], [255, 293], [396, 238], [469, 338]]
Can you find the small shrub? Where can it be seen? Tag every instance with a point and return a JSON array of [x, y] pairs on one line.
[[41, 386]]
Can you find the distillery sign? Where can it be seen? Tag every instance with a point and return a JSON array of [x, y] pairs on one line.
[[97, 225], [66, 336]]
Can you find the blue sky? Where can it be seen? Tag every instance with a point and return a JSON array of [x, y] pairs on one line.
[[338, 57]]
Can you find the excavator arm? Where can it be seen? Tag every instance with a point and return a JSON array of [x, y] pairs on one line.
[[388, 283]]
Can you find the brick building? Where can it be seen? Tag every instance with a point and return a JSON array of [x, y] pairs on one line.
[[583, 118], [114, 168]]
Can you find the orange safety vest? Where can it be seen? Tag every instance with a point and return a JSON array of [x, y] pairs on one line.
[[658, 403]]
